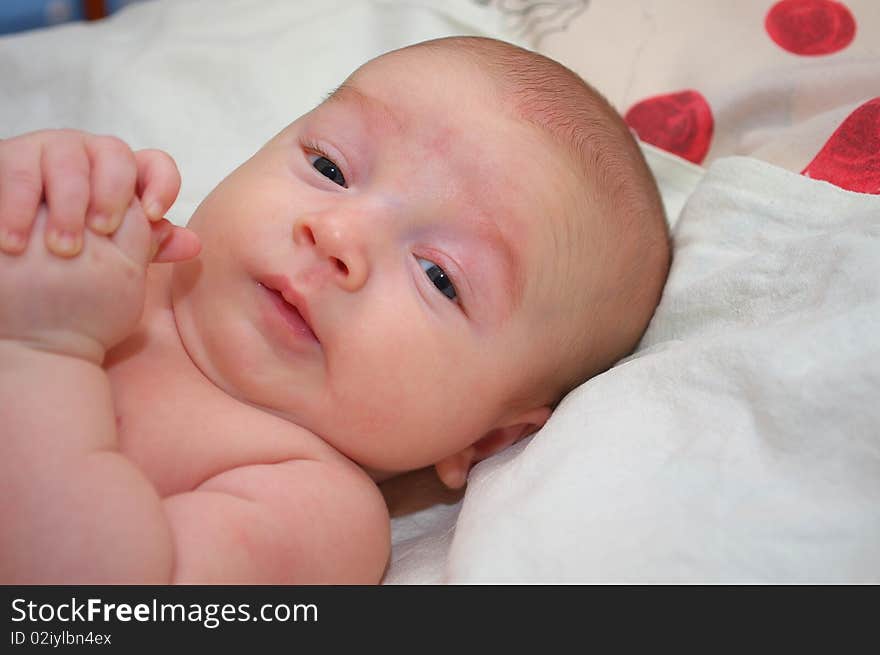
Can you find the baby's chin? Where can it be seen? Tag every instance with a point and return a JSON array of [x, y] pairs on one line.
[[379, 476]]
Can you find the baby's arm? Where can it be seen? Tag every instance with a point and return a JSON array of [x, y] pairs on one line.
[[73, 508], [296, 522]]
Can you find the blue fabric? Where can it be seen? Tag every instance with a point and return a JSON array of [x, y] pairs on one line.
[[20, 15]]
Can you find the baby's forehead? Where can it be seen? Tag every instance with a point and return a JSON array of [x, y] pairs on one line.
[[422, 83], [454, 135]]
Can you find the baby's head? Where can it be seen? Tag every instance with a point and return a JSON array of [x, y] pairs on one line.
[[469, 230]]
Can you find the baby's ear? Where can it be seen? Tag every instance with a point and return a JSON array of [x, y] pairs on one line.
[[453, 470]]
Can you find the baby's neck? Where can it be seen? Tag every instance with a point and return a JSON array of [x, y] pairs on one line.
[[157, 327], [158, 332]]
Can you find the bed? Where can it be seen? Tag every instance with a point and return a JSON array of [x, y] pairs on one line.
[[740, 442]]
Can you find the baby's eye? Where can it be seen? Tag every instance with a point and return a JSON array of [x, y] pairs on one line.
[[328, 169], [439, 278]]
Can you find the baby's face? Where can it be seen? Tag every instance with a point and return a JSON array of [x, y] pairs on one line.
[[414, 226]]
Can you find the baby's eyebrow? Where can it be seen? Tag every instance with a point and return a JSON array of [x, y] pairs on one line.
[[487, 230], [375, 109]]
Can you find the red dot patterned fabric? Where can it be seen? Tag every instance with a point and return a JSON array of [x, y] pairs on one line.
[[793, 82], [679, 122], [851, 157], [810, 27]]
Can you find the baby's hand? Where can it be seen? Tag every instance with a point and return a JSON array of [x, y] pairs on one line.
[[83, 179], [70, 290], [76, 306]]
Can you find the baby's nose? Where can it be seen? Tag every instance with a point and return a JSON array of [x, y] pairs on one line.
[[336, 244]]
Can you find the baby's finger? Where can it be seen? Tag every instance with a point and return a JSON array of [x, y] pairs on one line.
[[113, 177], [158, 182], [133, 236], [21, 188], [173, 244], [65, 167]]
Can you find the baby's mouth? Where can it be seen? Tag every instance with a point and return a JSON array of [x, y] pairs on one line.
[[290, 313]]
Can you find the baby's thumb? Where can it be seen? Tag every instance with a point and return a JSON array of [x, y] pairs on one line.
[[171, 243]]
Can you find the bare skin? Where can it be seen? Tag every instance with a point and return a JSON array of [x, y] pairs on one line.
[[144, 471], [192, 437]]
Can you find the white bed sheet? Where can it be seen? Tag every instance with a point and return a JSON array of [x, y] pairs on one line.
[[740, 443]]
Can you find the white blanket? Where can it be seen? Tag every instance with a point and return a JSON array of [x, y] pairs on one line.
[[740, 443], [209, 82]]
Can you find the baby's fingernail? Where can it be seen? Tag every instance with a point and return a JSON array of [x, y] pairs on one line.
[[153, 209], [101, 223], [11, 241], [64, 243]]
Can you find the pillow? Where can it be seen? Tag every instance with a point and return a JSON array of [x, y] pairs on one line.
[[709, 79]]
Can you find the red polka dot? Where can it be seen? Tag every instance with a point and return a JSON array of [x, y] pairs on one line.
[[851, 157], [810, 27], [680, 123]]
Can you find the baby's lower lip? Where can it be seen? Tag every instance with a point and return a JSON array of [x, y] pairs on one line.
[[290, 315]]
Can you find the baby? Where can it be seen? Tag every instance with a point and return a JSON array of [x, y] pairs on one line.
[[411, 274]]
